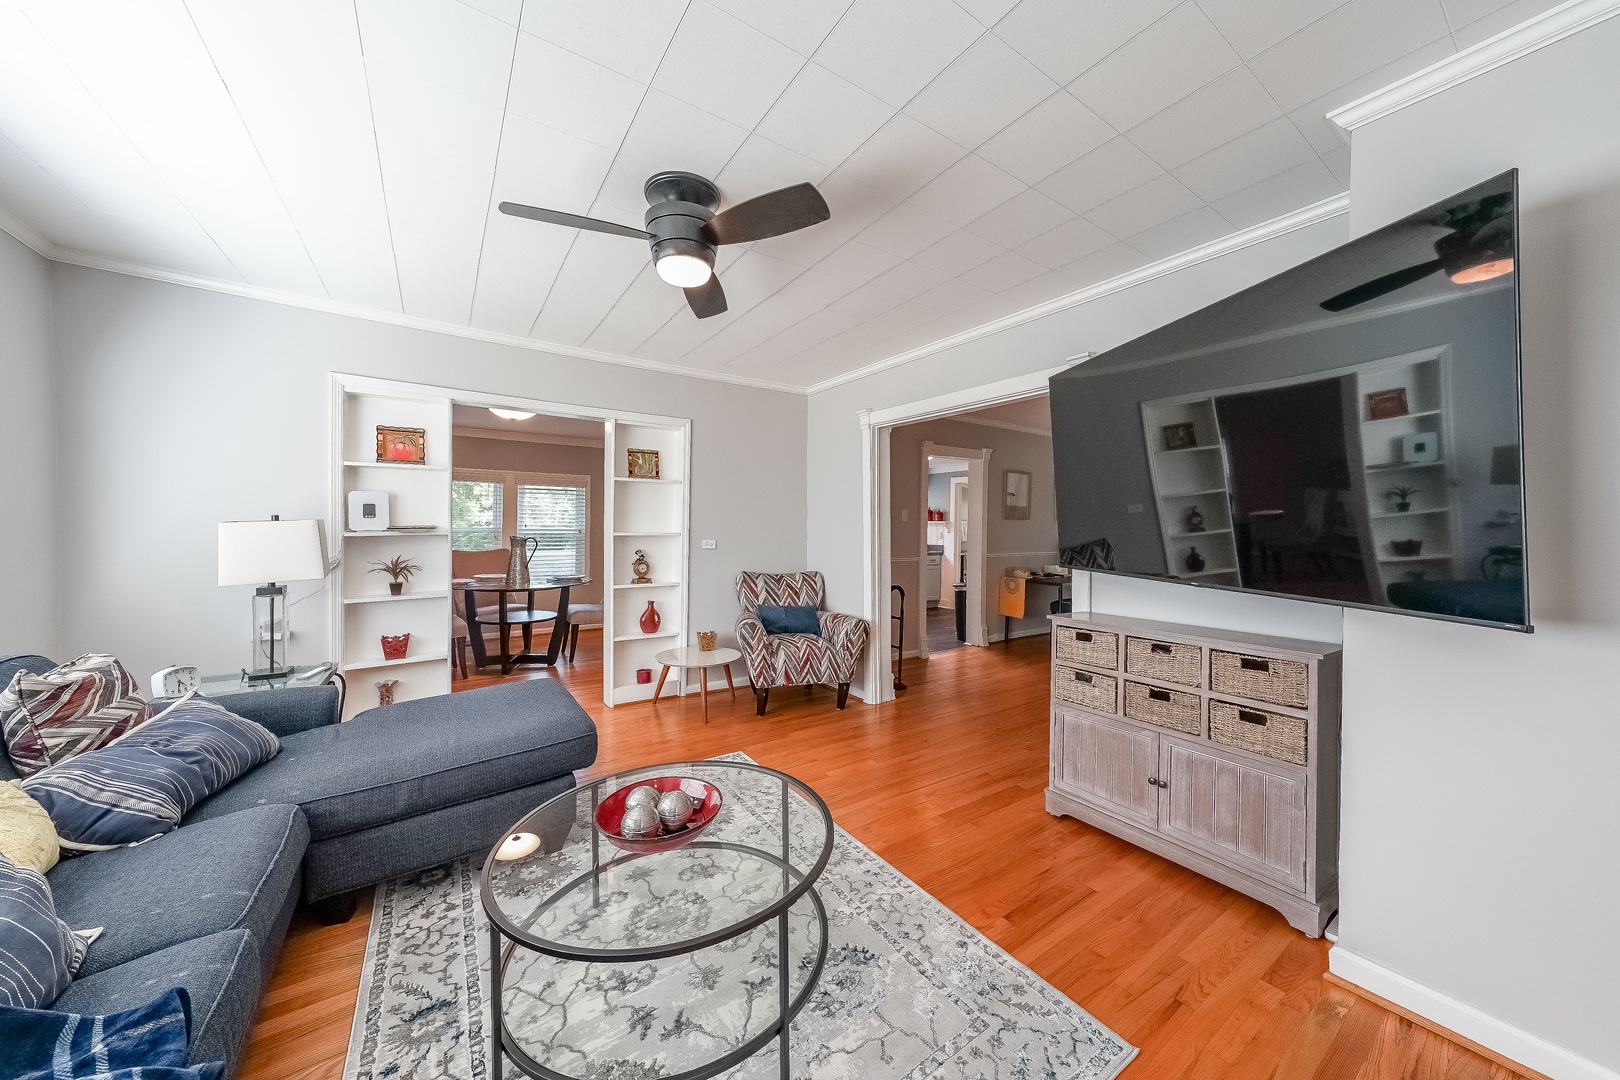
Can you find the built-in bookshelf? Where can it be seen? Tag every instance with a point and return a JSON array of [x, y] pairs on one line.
[[1186, 477], [649, 514], [417, 495]]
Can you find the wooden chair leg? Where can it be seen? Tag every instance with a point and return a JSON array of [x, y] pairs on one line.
[[761, 697], [843, 694], [573, 641]]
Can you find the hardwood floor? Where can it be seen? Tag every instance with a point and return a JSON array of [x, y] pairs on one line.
[[946, 783]]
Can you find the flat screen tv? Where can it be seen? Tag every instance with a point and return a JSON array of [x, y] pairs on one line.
[[1348, 432]]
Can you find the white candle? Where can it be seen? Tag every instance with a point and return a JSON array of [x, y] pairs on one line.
[[516, 846]]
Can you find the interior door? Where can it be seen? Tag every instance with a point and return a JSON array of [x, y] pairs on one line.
[[1234, 809], [1111, 764]]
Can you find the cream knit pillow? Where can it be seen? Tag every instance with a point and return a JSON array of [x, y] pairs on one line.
[[27, 836]]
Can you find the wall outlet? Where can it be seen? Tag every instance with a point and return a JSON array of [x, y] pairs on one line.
[[708, 545], [1134, 508], [905, 515]]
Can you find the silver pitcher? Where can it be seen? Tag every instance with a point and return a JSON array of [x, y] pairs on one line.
[[517, 568]]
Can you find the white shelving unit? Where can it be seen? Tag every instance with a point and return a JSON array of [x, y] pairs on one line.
[[652, 515], [1187, 477], [418, 495]]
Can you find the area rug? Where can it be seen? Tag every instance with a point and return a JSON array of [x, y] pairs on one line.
[[909, 991]]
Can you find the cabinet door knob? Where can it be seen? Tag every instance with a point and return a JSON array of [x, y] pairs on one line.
[[1153, 781]]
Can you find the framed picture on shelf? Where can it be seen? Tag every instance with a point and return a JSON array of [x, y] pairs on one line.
[[1015, 495], [643, 464], [1383, 404], [401, 445], [1180, 436]]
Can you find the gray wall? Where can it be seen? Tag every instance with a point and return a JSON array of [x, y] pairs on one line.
[[179, 408], [939, 490], [1481, 837], [28, 494]]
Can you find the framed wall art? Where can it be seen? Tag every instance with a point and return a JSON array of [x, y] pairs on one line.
[[642, 464], [401, 445], [1180, 436], [1015, 495]]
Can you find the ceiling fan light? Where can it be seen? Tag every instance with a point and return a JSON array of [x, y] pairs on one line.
[[683, 271], [512, 414], [1484, 271]]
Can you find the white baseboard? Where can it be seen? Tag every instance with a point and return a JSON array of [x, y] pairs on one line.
[[1036, 631], [1511, 1042]]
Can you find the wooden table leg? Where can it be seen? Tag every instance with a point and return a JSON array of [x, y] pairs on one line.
[[730, 684], [662, 675], [703, 691]]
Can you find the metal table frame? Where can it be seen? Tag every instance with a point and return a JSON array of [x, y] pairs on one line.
[[505, 937]]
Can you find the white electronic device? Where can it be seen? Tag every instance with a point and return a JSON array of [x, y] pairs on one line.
[[1420, 448], [368, 511], [174, 681]]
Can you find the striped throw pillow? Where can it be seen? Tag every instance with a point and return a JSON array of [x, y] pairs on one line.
[[38, 953], [69, 710], [144, 783]]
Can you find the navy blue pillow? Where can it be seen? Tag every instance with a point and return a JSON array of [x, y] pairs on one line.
[[38, 953], [783, 619], [148, 1041], [143, 783]]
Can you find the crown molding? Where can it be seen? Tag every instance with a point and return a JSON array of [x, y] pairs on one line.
[[1027, 429], [1225, 245], [25, 236], [1550, 26], [464, 432]]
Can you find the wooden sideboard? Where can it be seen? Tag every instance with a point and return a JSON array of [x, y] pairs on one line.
[[1214, 749]]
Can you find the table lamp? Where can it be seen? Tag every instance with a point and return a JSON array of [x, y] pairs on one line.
[[268, 554]]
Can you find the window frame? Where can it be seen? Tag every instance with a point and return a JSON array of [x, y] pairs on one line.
[[510, 479]]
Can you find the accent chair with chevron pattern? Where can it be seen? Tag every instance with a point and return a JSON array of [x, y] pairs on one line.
[[796, 659]]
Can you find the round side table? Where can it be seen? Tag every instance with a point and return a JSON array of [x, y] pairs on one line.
[[690, 657]]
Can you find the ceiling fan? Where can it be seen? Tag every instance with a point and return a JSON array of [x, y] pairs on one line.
[[683, 228], [1478, 247]]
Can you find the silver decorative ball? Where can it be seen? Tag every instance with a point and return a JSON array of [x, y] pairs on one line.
[[644, 795], [675, 809], [640, 822]]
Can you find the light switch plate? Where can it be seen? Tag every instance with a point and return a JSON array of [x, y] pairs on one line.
[[708, 545]]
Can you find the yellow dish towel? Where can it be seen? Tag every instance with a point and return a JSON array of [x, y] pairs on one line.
[[1012, 596]]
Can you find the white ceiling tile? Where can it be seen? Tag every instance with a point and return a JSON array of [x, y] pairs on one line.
[[987, 12], [598, 270], [904, 231], [906, 280], [801, 25], [1311, 118], [985, 89], [1253, 26], [1248, 159], [1023, 217], [508, 11], [958, 252], [1163, 64], [760, 165], [1345, 43], [450, 46], [1110, 170], [894, 48], [1101, 265], [966, 190], [1003, 272], [1228, 107], [1472, 21], [1280, 194], [297, 77], [628, 36], [951, 295], [805, 295], [1143, 207], [1181, 233], [1048, 137], [1065, 37], [1066, 243], [541, 166], [1338, 163], [1038, 290], [666, 134], [517, 266], [856, 263], [903, 156], [645, 307], [823, 116], [741, 90], [564, 90]]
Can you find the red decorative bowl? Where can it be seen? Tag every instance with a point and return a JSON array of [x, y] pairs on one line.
[[610, 813]]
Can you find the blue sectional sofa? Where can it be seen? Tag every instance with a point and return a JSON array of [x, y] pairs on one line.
[[342, 806]]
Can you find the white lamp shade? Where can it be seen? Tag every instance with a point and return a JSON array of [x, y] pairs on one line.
[[256, 552]]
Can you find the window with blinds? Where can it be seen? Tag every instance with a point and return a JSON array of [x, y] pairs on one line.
[[476, 514], [554, 513]]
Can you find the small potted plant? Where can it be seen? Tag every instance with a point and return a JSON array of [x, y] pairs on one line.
[[400, 569], [1402, 497]]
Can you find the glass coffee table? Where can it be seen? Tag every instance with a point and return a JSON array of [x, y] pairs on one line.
[[679, 964]]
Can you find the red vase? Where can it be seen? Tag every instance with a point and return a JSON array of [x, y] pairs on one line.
[[650, 619]]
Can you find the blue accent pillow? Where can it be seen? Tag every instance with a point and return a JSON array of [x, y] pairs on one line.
[[38, 953], [785, 619], [148, 1041], [141, 785]]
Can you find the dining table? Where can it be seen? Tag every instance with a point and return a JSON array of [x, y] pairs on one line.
[[515, 606]]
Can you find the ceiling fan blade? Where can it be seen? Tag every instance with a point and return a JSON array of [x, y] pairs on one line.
[[573, 221], [772, 214], [1372, 290], [707, 299]]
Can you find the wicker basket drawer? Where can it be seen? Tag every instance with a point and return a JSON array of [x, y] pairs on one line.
[[1260, 678], [1258, 731], [1098, 648], [1167, 661], [1163, 708], [1088, 688]]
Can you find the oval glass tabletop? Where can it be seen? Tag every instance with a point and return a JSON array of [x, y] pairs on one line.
[[578, 897]]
